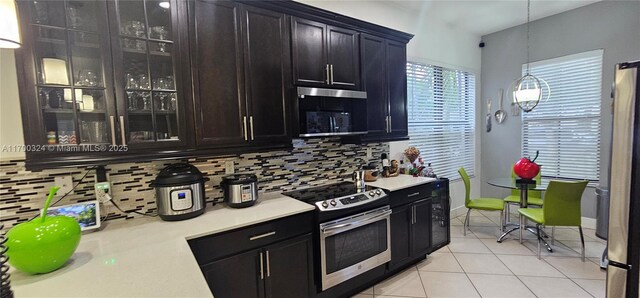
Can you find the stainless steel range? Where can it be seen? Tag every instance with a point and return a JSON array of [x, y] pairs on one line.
[[353, 230]]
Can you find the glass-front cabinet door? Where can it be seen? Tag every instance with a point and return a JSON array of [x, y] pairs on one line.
[[145, 35], [73, 73]]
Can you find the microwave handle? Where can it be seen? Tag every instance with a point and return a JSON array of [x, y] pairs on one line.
[[332, 123], [358, 222]]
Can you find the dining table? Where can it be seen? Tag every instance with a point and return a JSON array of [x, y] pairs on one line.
[[523, 185]]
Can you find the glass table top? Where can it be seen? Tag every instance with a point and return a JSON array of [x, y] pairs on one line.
[[511, 183]]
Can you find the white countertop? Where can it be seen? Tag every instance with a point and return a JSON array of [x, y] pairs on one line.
[[399, 182], [147, 257]]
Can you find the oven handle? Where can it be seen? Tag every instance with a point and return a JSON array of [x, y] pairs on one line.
[[357, 223]]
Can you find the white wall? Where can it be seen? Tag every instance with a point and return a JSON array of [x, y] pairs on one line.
[[10, 117], [435, 42]]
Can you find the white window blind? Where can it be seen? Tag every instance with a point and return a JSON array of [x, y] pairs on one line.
[[566, 128], [441, 104]]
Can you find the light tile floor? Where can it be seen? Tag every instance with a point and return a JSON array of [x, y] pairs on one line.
[[476, 265]]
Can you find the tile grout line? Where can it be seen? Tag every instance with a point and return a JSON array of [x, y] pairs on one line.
[[569, 278], [465, 271], [514, 274], [421, 282]]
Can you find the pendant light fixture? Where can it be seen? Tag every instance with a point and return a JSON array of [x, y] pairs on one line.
[[9, 30], [529, 90]]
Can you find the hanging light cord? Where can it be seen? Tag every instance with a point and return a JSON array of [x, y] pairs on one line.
[[528, 22]]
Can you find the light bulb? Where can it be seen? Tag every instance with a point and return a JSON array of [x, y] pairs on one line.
[[164, 4]]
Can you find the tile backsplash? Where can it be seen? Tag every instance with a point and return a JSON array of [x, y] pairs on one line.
[[309, 162]]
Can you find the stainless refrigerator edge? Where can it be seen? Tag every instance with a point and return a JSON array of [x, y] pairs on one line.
[[624, 184]]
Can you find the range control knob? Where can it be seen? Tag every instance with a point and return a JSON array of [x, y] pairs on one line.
[[378, 192], [333, 202], [371, 193], [325, 204]]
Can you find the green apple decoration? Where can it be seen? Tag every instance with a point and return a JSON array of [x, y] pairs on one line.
[[43, 244]]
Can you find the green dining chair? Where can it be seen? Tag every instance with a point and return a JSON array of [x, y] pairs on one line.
[[534, 197], [561, 208], [488, 204]]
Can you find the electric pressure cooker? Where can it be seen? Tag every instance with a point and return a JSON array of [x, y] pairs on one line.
[[240, 190], [179, 192]]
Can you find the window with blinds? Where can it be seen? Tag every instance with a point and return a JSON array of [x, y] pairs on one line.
[[441, 104], [566, 128]]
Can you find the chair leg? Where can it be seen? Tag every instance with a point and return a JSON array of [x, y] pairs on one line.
[[539, 241], [582, 241], [502, 221], [521, 228], [553, 238], [466, 223]]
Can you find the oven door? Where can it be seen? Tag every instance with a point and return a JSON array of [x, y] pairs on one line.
[[353, 245]]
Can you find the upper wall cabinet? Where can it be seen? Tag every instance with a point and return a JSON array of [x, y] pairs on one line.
[[150, 98], [129, 80], [385, 81], [97, 75], [241, 74], [325, 56]]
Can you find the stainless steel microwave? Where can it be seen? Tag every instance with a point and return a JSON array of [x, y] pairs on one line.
[[331, 112]]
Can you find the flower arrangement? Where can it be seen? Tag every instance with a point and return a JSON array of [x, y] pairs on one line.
[[412, 153]]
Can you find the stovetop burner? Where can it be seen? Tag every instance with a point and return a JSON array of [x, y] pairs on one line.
[[336, 196], [325, 192]]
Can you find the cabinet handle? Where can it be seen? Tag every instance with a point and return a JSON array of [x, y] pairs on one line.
[[326, 69], [413, 194], [331, 71], [122, 134], [244, 127], [413, 214], [390, 129], [262, 236], [268, 266], [112, 119], [261, 267], [386, 122], [251, 122]]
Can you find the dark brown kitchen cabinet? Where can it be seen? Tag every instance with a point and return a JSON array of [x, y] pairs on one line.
[[98, 78], [397, 78], [218, 75], [65, 76], [324, 56], [384, 78], [267, 68], [374, 76], [146, 42], [421, 229], [400, 234], [236, 276], [241, 74], [278, 270], [410, 232]]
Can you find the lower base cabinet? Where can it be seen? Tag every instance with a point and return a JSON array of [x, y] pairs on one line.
[[280, 270], [410, 232]]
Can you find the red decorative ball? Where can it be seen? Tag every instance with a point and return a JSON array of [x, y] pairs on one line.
[[526, 169]]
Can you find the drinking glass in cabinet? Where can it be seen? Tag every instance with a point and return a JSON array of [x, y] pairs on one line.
[[135, 45], [143, 81], [87, 78], [134, 28], [75, 19], [93, 132], [45, 12], [139, 101], [82, 15], [141, 136], [55, 98]]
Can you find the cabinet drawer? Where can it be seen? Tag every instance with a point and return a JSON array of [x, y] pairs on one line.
[[411, 194], [217, 246]]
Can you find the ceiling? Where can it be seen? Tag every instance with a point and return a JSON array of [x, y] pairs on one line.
[[488, 16]]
